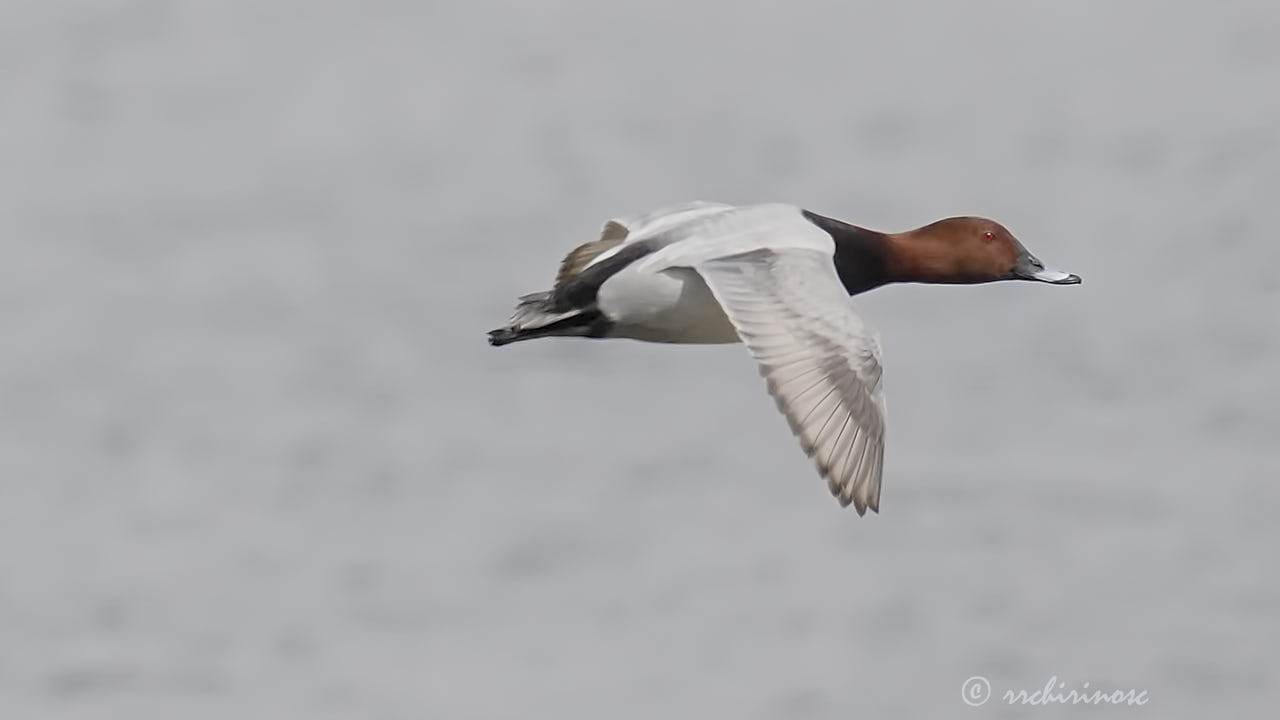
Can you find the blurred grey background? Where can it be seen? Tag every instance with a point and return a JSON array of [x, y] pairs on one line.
[[257, 461]]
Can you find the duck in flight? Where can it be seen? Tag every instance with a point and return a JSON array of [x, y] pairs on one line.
[[778, 279]]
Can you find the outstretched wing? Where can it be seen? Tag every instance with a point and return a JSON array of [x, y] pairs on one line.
[[820, 360]]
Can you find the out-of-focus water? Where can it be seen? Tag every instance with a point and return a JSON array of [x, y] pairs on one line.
[[257, 461]]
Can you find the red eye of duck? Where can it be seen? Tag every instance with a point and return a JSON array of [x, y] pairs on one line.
[[988, 236]]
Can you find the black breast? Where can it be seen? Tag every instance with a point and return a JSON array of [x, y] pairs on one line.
[[861, 257]]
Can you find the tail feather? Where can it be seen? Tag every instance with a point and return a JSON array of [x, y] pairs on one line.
[[536, 317], [534, 309]]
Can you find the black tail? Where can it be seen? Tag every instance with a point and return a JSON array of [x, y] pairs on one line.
[[534, 318]]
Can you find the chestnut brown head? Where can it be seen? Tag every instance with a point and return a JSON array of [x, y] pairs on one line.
[[968, 250]]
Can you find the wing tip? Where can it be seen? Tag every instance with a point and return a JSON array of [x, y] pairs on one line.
[[860, 505], [863, 493]]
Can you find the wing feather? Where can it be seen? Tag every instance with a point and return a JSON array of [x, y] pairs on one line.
[[820, 361]]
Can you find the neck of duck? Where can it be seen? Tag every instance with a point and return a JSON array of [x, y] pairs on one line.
[[866, 259]]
